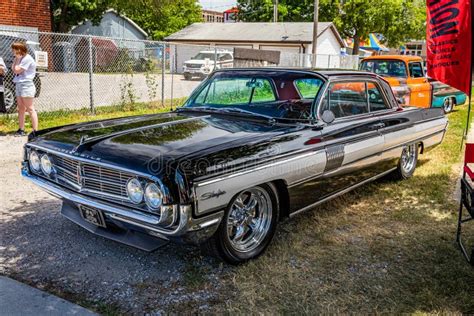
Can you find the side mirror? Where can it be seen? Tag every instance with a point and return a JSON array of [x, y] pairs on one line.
[[328, 117]]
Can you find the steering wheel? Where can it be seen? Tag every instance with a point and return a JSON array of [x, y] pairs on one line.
[[295, 109]]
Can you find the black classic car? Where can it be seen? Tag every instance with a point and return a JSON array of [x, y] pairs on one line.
[[249, 148]]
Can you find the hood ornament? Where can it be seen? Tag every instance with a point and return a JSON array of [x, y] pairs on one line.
[[83, 139]]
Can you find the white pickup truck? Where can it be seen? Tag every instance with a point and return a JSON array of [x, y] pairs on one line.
[[205, 62]]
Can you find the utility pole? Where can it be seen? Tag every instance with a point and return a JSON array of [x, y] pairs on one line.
[[315, 32], [275, 11]]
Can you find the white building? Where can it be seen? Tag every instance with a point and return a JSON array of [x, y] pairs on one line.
[[290, 38]]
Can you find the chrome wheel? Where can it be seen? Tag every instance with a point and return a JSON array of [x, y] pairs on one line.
[[249, 219], [448, 105], [408, 158], [9, 99]]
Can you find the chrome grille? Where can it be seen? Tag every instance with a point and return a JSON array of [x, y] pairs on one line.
[[93, 178], [194, 66], [105, 180], [67, 170]]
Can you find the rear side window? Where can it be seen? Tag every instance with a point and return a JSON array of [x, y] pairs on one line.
[[416, 70], [376, 100], [308, 88], [346, 99]]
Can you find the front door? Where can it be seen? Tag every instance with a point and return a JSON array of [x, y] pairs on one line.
[[353, 144], [420, 95]]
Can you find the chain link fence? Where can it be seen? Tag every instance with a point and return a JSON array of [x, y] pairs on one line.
[[82, 72]]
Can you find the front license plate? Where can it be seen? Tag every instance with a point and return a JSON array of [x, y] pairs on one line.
[[92, 215]]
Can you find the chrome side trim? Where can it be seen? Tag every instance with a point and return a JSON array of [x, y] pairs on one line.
[[344, 191], [273, 164], [290, 170]]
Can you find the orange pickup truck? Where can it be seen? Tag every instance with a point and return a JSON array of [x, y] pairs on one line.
[[409, 83]]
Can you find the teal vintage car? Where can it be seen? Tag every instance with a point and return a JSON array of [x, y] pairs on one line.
[[445, 96]]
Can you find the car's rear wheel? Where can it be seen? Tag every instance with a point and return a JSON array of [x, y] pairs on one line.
[[407, 162], [448, 104], [9, 99], [248, 225]]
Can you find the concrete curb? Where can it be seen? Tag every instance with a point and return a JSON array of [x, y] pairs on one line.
[[20, 299]]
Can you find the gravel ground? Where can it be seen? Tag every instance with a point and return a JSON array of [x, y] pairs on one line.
[[40, 247]]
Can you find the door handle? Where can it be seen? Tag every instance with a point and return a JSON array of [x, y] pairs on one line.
[[377, 126]]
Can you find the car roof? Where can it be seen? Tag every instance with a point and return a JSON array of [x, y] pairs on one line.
[[398, 57], [326, 73]]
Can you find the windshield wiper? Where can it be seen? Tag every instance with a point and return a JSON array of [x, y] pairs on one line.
[[270, 119], [228, 110], [198, 108]]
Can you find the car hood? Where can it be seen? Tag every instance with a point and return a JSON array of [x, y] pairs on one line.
[[199, 61], [139, 142]]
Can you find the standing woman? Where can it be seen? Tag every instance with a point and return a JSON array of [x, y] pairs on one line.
[[24, 69]]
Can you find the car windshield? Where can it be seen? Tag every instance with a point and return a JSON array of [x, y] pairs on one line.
[[202, 56], [387, 68], [275, 94]]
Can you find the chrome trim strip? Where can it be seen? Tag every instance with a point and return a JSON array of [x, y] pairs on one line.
[[200, 184], [105, 194], [367, 157], [306, 208]]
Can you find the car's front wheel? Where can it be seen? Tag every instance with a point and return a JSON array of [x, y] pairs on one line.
[[248, 225], [407, 162]]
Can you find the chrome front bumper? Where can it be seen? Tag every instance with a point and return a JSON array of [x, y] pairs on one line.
[[187, 229]]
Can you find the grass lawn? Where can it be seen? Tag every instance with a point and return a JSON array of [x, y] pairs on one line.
[[9, 123], [387, 247]]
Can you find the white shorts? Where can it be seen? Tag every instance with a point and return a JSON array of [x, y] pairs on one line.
[[25, 89]]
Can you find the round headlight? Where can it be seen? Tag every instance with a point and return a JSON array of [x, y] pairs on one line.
[[46, 165], [135, 190], [35, 161], [153, 196]]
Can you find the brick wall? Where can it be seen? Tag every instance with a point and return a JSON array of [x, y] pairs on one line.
[[32, 13]]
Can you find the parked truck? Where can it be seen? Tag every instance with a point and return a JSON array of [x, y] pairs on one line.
[[410, 84]]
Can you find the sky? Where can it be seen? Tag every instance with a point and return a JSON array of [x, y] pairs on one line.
[[218, 5]]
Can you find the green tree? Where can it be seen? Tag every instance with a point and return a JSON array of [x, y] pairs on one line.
[[67, 13], [288, 10], [396, 20], [160, 18]]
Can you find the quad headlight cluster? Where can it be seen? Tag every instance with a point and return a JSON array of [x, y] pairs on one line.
[[150, 192], [40, 163]]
